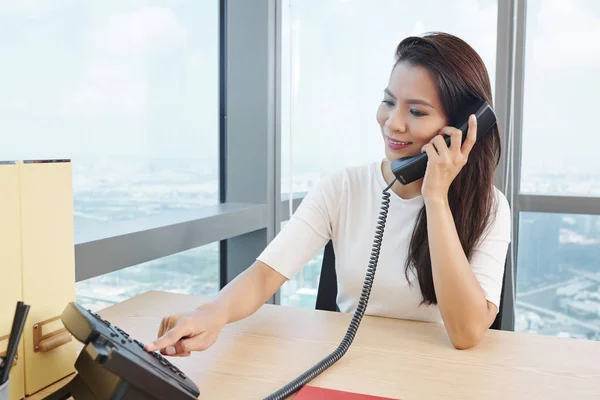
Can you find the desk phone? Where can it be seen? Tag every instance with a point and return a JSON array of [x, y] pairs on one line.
[[114, 366]]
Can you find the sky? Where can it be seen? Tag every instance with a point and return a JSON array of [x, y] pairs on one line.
[[561, 81], [140, 78], [118, 77]]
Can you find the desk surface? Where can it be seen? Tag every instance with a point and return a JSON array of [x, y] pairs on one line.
[[393, 358]]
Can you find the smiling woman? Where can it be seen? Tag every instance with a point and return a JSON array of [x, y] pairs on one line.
[[429, 71]]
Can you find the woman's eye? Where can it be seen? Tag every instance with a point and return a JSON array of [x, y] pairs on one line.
[[417, 113], [388, 102]]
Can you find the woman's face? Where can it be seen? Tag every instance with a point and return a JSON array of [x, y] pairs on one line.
[[410, 114]]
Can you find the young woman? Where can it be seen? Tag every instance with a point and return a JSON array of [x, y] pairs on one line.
[[446, 236]]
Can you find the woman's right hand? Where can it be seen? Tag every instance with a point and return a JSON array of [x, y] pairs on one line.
[[180, 334]]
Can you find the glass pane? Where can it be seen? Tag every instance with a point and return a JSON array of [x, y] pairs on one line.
[[126, 89], [301, 290], [560, 143], [558, 275], [194, 271], [337, 57]]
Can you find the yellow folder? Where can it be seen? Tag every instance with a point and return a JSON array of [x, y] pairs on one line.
[[10, 268], [48, 260]]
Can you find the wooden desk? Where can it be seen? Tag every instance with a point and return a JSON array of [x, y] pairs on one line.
[[393, 358]]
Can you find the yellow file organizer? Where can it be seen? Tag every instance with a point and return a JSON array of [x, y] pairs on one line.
[[10, 268], [48, 270]]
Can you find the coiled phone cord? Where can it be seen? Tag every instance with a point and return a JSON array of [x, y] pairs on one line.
[[343, 347]]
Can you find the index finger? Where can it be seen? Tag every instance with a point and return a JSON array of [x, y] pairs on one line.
[[471, 135], [168, 339]]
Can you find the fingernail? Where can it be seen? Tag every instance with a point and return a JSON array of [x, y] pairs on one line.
[[170, 350], [150, 347]]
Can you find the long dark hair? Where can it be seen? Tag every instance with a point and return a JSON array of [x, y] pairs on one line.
[[460, 75]]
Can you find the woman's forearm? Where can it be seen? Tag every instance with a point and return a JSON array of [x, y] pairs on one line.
[[461, 299], [245, 294]]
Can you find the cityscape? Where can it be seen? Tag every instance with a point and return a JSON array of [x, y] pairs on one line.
[[558, 279]]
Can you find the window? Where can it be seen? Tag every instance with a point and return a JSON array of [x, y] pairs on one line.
[[558, 275], [194, 271], [561, 81], [128, 90], [337, 57]]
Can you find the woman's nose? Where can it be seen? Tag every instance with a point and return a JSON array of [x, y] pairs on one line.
[[396, 123]]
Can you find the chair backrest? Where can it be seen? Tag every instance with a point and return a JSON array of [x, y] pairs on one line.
[[327, 292], [498, 320]]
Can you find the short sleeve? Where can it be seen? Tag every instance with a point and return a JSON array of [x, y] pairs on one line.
[[308, 230], [488, 259]]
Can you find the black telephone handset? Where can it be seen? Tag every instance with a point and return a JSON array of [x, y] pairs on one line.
[[409, 169]]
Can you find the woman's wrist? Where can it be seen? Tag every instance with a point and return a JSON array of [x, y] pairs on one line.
[[436, 201], [218, 310]]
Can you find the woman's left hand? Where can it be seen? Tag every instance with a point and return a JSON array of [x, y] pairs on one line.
[[445, 162]]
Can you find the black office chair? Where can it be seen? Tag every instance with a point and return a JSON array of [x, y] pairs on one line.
[[327, 292]]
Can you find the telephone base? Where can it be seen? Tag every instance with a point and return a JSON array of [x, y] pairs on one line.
[[76, 389], [94, 382]]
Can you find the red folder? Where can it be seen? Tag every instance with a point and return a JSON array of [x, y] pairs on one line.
[[316, 393]]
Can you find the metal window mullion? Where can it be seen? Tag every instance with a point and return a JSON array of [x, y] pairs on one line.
[[250, 123], [505, 42], [508, 320]]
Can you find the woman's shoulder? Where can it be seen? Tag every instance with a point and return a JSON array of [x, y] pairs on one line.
[[501, 203], [500, 218]]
